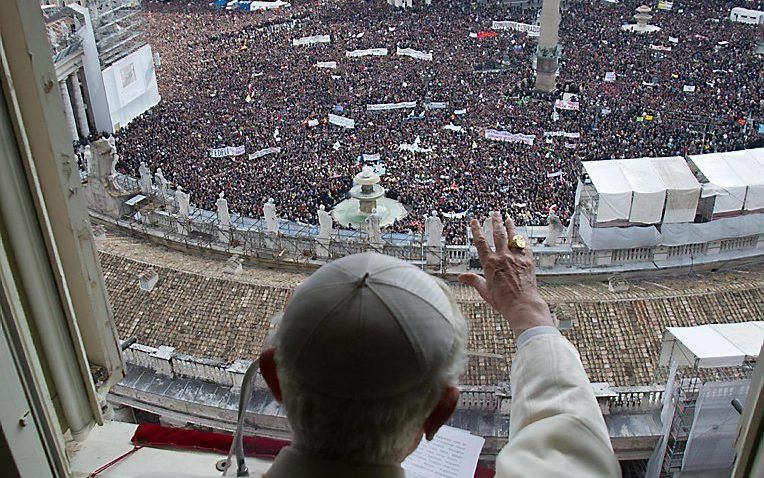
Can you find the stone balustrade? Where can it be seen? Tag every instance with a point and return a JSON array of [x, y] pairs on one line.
[[166, 361], [296, 243], [636, 398]]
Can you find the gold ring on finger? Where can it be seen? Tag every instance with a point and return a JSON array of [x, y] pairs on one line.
[[517, 242]]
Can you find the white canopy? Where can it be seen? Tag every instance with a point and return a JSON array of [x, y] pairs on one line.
[[638, 189], [649, 191], [711, 346], [726, 184], [682, 189], [748, 165], [612, 188]]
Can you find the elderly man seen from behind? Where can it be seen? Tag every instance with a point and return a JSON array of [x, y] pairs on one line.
[[369, 351], [366, 361]]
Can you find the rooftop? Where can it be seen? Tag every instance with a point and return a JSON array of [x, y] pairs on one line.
[[199, 309]]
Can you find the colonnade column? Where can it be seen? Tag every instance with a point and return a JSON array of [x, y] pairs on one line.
[[68, 111], [79, 106]]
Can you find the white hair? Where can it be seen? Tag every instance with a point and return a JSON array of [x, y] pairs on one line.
[[374, 431]]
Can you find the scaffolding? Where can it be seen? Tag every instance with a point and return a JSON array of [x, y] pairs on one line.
[[119, 26], [702, 422], [707, 370]]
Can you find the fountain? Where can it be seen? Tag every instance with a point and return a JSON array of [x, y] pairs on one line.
[[365, 196], [642, 17], [367, 189]]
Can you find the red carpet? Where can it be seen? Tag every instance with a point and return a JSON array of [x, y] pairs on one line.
[[151, 435], [148, 434]]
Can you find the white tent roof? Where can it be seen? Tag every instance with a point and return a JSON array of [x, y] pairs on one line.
[[715, 167], [647, 185], [649, 191], [748, 166], [714, 345], [682, 189], [612, 188]]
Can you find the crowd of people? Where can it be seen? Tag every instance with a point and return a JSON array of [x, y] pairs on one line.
[[231, 78]]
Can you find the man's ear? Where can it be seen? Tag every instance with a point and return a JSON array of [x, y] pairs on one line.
[[269, 373], [442, 411]]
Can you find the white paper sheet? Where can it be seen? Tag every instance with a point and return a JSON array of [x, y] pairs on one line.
[[453, 453]]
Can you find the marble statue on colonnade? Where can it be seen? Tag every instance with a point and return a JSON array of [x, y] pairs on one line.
[[224, 217], [147, 186], [488, 230], [87, 155], [555, 228], [271, 221], [162, 184], [325, 223], [373, 228], [103, 193], [433, 228], [114, 156], [184, 200], [222, 207]]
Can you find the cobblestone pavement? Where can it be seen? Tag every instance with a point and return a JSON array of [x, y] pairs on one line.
[[200, 310]]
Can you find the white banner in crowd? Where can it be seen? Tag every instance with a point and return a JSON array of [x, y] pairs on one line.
[[508, 137], [689, 88], [371, 157], [267, 5], [311, 40], [227, 151], [610, 76], [327, 64], [341, 121], [391, 106], [555, 174], [562, 133], [659, 47], [435, 105], [460, 112], [235, 150], [367, 52], [566, 105], [451, 127], [532, 30], [312, 123], [419, 55], [414, 147], [674, 39], [455, 215], [264, 152]]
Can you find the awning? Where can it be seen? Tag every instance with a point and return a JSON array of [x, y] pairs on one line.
[[649, 191], [682, 189], [612, 188], [712, 346], [748, 166], [731, 188]]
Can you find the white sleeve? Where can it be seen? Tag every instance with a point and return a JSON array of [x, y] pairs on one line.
[[555, 425]]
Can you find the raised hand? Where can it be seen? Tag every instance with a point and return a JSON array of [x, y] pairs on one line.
[[509, 282]]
